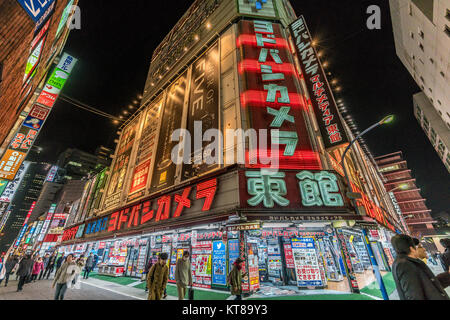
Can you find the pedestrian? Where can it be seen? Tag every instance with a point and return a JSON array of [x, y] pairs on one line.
[[24, 271], [234, 279], [413, 279], [79, 267], [147, 269], [157, 278], [183, 275], [38, 266], [89, 266], [50, 265], [64, 274], [95, 262], [45, 260], [60, 261], [10, 265], [445, 256]]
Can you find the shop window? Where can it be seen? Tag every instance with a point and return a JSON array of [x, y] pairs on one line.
[[421, 34]]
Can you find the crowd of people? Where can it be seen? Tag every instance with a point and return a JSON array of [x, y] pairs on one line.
[[413, 278], [33, 267]]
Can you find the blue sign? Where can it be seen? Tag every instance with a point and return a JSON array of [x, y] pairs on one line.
[[36, 9], [33, 123], [22, 233], [219, 263], [233, 252]]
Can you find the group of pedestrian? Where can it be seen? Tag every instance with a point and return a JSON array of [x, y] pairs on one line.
[[413, 278], [158, 275]]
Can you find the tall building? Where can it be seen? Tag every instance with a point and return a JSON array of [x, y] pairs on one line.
[[25, 198], [399, 181], [422, 40], [79, 164], [237, 67], [27, 55]]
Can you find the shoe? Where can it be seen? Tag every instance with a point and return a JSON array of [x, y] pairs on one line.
[[165, 296]]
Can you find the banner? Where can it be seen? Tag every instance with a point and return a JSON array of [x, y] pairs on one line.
[[219, 264], [321, 96], [164, 169], [10, 190], [119, 169], [204, 109], [140, 177]]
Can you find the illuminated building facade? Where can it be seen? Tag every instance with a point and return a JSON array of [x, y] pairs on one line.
[[413, 206], [248, 66]]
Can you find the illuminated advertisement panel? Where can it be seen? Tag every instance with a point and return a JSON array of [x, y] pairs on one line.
[[140, 177], [270, 98], [47, 221], [258, 8], [37, 46], [10, 164], [164, 169], [321, 96], [64, 17], [120, 166], [36, 9], [10, 190], [312, 191], [204, 109]]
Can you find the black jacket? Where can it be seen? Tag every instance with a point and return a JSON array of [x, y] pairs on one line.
[[59, 262], [51, 262], [10, 264], [415, 281], [25, 267], [446, 259]]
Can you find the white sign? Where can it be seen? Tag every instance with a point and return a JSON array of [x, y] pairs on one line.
[[10, 191]]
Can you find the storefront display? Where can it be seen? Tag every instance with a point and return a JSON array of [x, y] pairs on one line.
[[253, 268], [201, 264], [275, 266], [306, 263]]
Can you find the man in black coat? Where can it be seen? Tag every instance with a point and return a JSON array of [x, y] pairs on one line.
[[414, 280], [9, 266], [445, 257], [50, 266], [24, 271]]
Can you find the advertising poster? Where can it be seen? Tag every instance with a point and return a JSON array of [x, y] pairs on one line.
[[98, 191], [219, 263], [289, 257], [3, 184], [147, 142], [203, 108], [233, 253], [253, 267], [140, 176], [306, 263], [201, 264], [119, 169], [164, 169]]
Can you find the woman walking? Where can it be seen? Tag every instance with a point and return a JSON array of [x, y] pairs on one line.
[[66, 273], [37, 268]]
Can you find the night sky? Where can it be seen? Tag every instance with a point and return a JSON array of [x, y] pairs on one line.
[[115, 45]]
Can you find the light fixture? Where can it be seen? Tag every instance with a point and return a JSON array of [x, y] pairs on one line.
[[140, 96], [320, 54], [338, 89], [325, 64], [196, 37], [125, 112], [334, 81], [387, 119], [208, 25]]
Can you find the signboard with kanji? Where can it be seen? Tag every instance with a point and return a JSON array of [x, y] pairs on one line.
[[321, 96], [306, 263]]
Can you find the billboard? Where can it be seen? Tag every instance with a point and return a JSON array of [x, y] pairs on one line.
[[270, 98], [164, 169], [140, 177], [37, 46], [120, 166], [204, 109], [321, 96], [258, 8]]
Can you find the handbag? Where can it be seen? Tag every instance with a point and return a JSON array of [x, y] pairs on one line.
[[191, 293]]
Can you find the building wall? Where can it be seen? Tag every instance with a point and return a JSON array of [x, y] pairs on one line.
[[433, 126]]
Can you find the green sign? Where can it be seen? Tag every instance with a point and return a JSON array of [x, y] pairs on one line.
[[3, 184], [58, 78], [64, 17]]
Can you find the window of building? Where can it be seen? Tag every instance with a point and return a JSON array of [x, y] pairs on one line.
[[441, 149], [431, 90], [418, 112], [431, 60], [433, 137], [423, 88], [442, 74], [412, 35], [448, 159], [421, 47], [421, 34], [423, 80], [447, 15], [439, 101], [410, 10], [426, 124], [447, 30]]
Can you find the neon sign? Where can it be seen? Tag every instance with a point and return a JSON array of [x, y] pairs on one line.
[[271, 97]]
